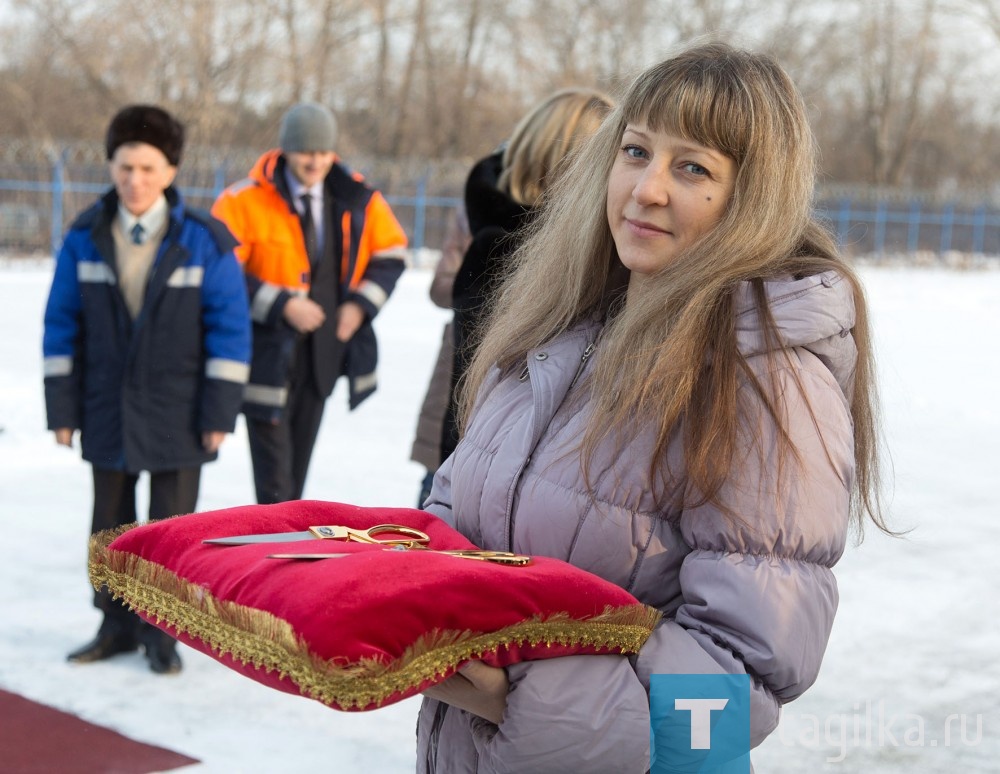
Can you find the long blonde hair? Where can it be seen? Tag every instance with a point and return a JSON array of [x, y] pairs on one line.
[[654, 348], [545, 138]]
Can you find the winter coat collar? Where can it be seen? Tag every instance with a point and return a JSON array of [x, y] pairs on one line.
[[343, 185], [485, 204]]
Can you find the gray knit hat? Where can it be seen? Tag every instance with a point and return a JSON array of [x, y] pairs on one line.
[[307, 127]]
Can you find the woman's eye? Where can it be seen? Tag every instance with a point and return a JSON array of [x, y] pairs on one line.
[[696, 169], [634, 152]]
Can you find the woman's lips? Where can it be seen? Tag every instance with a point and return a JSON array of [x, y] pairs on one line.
[[644, 228]]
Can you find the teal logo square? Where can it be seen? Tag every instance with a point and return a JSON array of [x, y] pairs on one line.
[[699, 724]]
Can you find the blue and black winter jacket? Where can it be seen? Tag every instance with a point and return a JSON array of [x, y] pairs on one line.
[[143, 391]]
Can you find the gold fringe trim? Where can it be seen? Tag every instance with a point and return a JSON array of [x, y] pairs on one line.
[[264, 641]]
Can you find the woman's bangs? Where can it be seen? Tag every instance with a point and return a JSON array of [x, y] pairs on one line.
[[695, 106]]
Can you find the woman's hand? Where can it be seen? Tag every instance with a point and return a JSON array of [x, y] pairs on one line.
[[476, 688]]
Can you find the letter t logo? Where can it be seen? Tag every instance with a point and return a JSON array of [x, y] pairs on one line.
[[699, 723], [701, 719]]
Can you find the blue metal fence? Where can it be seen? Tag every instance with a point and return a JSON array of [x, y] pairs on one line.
[[863, 224], [423, 215], [886, 226]]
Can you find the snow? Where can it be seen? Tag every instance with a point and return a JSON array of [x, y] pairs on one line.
[[914, 652]]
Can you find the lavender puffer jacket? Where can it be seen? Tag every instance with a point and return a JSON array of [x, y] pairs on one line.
[[758, 600]]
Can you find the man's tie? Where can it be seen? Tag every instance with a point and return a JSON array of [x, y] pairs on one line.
[[309, 229], [138, 234]]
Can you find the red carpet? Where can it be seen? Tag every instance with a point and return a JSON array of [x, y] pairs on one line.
[[36, 739]]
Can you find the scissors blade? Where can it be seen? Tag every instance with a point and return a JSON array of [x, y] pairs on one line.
[[274, 537]]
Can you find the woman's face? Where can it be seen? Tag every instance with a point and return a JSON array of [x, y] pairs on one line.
[[664, 192]]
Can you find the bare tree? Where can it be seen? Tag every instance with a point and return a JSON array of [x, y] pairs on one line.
[[894, 100], [985, 12]]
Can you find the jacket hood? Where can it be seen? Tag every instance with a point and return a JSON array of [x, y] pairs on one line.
[[267, 172], [264, 168], [816, 313]]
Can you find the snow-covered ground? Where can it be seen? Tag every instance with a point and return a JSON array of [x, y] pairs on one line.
[[914, 657]]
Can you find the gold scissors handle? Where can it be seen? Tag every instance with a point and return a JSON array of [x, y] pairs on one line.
[[411, 536]]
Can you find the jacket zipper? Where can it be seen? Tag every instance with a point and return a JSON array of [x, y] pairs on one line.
[[587, 352], [583, 363]]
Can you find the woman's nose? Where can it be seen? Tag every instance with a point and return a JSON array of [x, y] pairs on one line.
[[652, 187]]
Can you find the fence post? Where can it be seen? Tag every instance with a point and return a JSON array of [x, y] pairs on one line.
[[420, 212], [947, 220], [58, 186], [220, 179], [979, 230], [913, 227], [843, 222], [880, 219]]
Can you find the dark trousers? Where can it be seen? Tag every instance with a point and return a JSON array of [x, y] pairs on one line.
[[280, 452], [170, 493]]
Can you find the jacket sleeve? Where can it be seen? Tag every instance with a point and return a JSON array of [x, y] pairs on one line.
[[61, 341], [226, 320], [585, 714], [267, 300], [386, 244], [759, 596], [439, 501]]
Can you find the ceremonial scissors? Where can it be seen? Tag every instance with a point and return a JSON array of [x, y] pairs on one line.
[[477, 554], [404, 536]]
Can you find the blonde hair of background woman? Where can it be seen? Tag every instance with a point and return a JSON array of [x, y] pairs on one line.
[[654, 347], [546, 138]]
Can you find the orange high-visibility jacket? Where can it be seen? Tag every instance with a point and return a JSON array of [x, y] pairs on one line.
[[368, 245]]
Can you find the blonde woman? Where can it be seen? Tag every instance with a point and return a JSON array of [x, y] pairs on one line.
[[674, 392], [502, 194]]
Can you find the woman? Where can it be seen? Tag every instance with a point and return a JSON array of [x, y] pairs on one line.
[[675, 393], [502, 194]]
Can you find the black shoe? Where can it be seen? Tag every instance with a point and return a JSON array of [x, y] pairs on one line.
[[163, 658], [105, 645]]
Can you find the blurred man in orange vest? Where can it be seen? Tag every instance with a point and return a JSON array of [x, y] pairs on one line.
[[321, 252]]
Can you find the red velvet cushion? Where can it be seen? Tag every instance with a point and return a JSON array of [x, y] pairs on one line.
[[363, 631]]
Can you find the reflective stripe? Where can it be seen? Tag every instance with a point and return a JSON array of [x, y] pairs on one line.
[[186, 277], [373, 292], [366, 382], [235, 188], [263, 300], [94, 271], [390, 254], [227, 370], [265, 395], [58, 365]]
